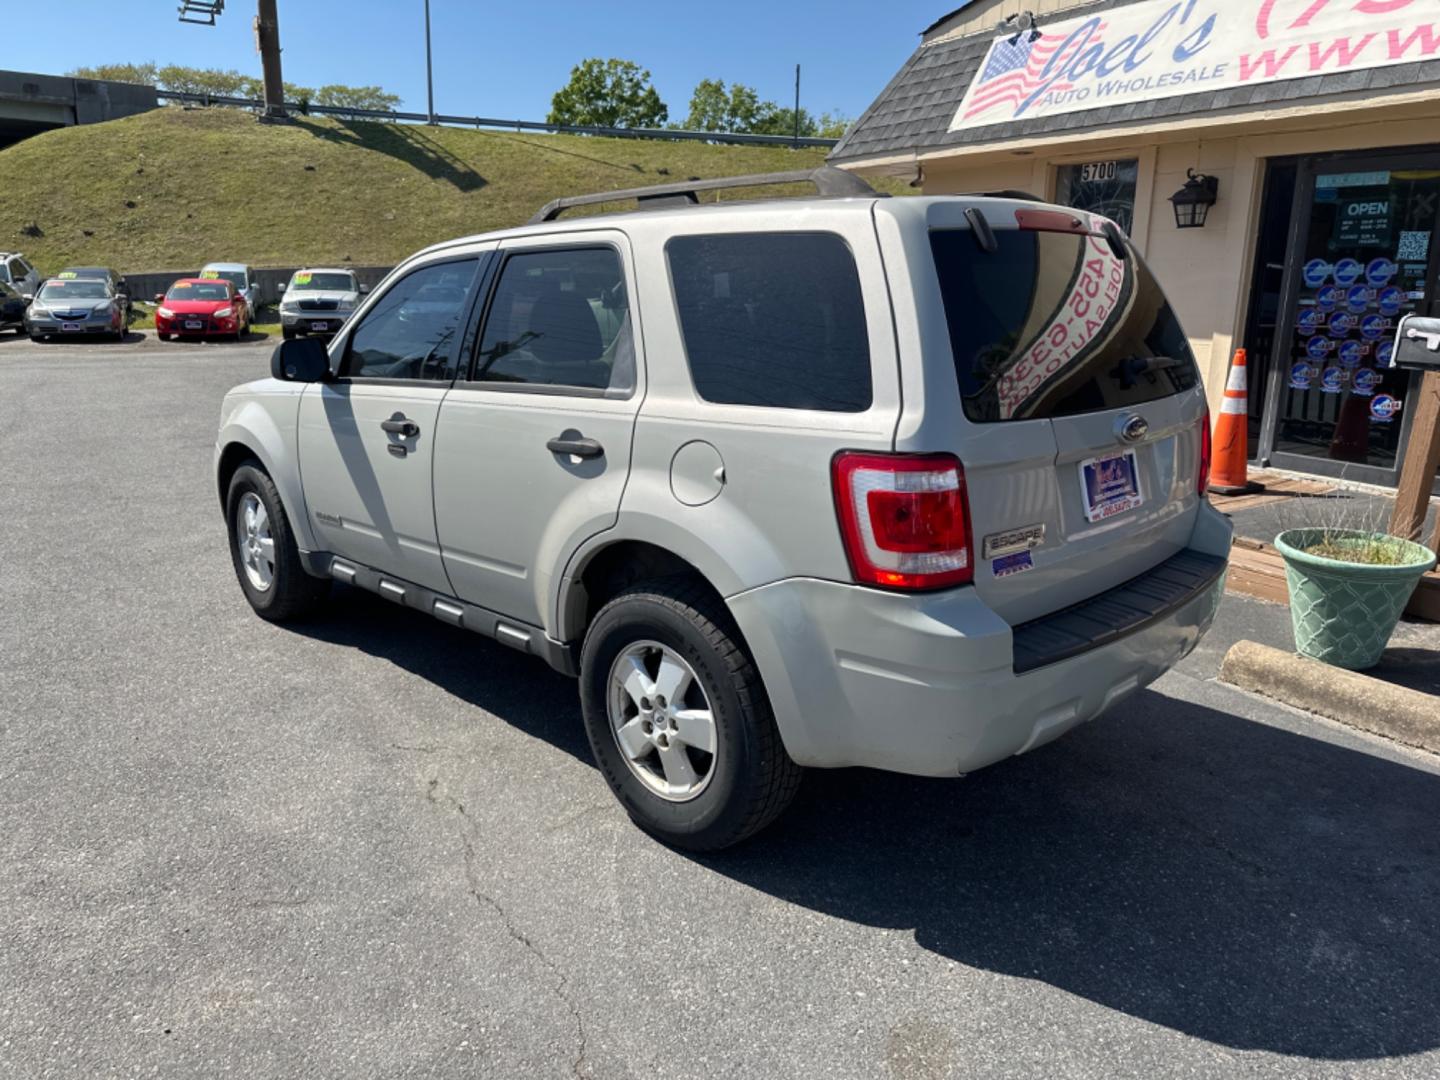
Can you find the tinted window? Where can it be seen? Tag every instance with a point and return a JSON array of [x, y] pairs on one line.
[[1053, 324], [410, 333], [773, 319], [559, 318]]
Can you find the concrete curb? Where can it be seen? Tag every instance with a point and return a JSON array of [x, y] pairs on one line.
[[1398, 713]]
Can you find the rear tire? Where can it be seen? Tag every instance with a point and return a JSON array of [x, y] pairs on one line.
[[263, 551], [745, 780]]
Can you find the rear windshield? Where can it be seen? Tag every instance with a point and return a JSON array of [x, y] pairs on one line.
[[200, 290], [1054, 324]]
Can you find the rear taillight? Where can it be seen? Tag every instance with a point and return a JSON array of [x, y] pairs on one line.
[[1202, 482], [905, 519]]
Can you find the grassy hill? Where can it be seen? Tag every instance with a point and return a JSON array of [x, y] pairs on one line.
[[172, 188]]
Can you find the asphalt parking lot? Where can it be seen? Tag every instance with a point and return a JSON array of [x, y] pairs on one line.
[[376, 846]]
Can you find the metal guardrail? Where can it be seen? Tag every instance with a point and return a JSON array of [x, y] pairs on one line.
[[735, 137]]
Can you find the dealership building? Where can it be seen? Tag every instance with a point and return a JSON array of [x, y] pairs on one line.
[[1277, 163]]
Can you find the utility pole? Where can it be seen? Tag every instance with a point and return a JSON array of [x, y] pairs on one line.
[[267, 41], [797, 104], [429, 75]]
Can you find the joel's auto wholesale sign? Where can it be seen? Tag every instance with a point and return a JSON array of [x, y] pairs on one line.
[[1163, 48]]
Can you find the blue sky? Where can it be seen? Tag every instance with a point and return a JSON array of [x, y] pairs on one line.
[[506, 59]]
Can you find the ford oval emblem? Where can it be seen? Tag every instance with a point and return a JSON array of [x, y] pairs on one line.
[[1132, 429]]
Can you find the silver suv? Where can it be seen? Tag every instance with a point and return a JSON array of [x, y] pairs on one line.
[[913, 483]]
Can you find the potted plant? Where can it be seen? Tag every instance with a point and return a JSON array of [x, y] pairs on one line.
[[1347, 590]]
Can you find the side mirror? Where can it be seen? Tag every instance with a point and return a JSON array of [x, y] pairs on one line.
[[159, 297], [364, 288], [282, 286], [300, 360], [27, 297]]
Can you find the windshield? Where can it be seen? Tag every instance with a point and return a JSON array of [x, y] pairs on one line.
[[198, 290], [234, 277], [337, 282], [1054, 324], [75, 290]]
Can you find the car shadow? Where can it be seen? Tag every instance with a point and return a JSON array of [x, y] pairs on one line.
[[1236, 882], [523, 691]]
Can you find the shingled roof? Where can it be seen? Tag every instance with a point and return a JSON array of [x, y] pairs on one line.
[[913, 113]]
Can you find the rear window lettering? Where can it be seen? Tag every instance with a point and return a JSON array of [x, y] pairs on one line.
[[773, 319], [1055, 324]]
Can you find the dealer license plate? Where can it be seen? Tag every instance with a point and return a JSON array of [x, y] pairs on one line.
[[1110, 485], [194, 324], [319, 326]]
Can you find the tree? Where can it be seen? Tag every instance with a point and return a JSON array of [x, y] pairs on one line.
[[357, 97], [144, 73], [713, 108], [832, 125], [608, 93]]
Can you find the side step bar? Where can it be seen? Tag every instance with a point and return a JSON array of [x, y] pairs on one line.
[[518, 635]]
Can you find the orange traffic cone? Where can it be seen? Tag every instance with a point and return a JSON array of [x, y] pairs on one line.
[[1230, 451]]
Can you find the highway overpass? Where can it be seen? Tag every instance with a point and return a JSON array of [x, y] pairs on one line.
[[30, 104]]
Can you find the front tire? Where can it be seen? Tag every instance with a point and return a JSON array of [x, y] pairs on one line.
[[678, 718], [162, 337], [263, 550], [289, 333]]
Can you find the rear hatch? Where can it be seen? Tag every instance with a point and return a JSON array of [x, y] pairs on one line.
[[1080, 404]]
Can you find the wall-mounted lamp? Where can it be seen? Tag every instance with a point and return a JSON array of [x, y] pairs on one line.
[[1022, 23], [1193, 201]]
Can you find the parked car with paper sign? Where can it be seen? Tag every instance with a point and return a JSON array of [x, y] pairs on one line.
[[318, 301], [916, 484], [237, 274], [77, 307], [201, 307]]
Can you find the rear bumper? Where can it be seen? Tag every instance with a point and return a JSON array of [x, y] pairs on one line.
[[928, 684]]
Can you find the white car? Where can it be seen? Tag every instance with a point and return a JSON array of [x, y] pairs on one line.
[[318, 301], [240, 276], [915, 484], [17, 272]]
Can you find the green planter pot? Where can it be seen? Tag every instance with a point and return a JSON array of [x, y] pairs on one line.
[[1344, 612]]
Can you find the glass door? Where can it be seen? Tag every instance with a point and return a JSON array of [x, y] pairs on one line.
[[1361, 249]]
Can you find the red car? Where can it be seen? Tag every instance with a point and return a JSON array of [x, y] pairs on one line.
[[202, 307]]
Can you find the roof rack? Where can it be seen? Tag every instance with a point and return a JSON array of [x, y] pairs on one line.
[[828, 180]]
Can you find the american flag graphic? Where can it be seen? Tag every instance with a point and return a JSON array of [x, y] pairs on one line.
[[1012, 71]]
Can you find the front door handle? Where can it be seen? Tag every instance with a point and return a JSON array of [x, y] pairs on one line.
[[578, 446], [400, 425]]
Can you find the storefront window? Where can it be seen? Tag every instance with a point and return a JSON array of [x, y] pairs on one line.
[[1101, 187], [1362, 265]]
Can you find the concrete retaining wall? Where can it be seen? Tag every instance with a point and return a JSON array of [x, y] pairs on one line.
[[145, 286]]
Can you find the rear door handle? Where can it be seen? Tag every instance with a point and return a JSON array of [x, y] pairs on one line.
[[578, 447], [400, 425]]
